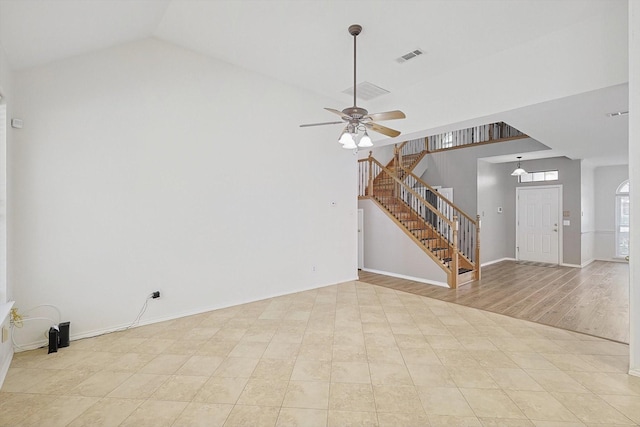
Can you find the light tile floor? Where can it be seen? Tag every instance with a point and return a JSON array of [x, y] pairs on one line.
[[346, 355]]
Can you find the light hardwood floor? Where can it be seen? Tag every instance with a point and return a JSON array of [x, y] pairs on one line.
[[593, 300]]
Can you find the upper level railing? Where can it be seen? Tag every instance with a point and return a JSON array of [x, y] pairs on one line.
[[493, 132]]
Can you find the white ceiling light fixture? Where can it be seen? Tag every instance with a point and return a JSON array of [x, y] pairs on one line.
[[358, 119], [519, 171], [365, 140]]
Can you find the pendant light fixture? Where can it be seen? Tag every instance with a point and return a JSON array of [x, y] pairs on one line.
[[519, 171]]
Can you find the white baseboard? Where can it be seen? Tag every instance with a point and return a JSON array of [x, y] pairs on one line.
[[634, 372], [621, 260], [584, 264], [570, 265], [402, 276], [495, 261], [97, 332], [5, 367]]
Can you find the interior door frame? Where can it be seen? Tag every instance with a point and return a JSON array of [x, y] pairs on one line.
[[560, 218]]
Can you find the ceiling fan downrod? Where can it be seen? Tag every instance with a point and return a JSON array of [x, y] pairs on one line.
[[354, 30]]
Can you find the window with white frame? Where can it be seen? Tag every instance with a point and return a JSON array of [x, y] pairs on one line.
[[622, 220], [539, 176]]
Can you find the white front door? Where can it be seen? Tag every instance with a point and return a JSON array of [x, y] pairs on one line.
[[538, 224], [360, 239]]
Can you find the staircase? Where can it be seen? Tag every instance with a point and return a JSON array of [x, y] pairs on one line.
[[445, 233]]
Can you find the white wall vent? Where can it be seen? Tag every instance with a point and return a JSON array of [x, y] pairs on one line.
[[410, 55], [366, 91]]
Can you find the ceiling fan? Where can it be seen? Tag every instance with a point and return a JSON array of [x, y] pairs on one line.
[[358, 119]]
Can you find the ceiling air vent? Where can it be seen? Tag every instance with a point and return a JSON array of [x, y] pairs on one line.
[[366, 91], [410, 55]]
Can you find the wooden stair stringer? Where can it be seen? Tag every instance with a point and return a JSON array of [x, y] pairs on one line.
[[417, 241], [441, 241]]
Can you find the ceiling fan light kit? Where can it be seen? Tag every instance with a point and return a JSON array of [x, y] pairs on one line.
[[358, 119]]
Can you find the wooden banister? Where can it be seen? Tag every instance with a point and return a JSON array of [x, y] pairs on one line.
[[398, 183], [476, 275], [370, 186], [454, 255], [444, 199]]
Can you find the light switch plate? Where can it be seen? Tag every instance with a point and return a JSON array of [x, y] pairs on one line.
[[5, 334]]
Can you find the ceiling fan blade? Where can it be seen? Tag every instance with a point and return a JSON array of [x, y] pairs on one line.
[[320, 124], [340, 113], [387, 115], [382, 129]]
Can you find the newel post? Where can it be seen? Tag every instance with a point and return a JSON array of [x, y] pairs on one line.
[[426, 143], [370, 185], [477, 272], [396, 166], [398, 159], [454, 255]]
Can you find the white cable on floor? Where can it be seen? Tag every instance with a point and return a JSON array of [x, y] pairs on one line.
[[14, 325]]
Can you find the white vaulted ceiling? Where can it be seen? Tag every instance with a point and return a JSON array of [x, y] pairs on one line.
[[305, 43]]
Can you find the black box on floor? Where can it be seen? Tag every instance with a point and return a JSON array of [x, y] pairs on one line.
[[53, 340], [63, 340]]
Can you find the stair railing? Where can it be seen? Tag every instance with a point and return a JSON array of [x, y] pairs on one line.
[[410, 148], [418, 217], [413, 146], [468, 233], [365, 178]]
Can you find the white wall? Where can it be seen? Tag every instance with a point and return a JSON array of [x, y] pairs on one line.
[[587, 204], [6, 86], [458, 169], [606, 182], [494, 191], [388, 249], [634, 179], [148, 167]]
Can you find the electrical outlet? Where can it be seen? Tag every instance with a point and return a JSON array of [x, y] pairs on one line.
[[155, 295]]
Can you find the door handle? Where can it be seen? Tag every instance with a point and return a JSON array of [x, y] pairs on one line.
[[626, 258]]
